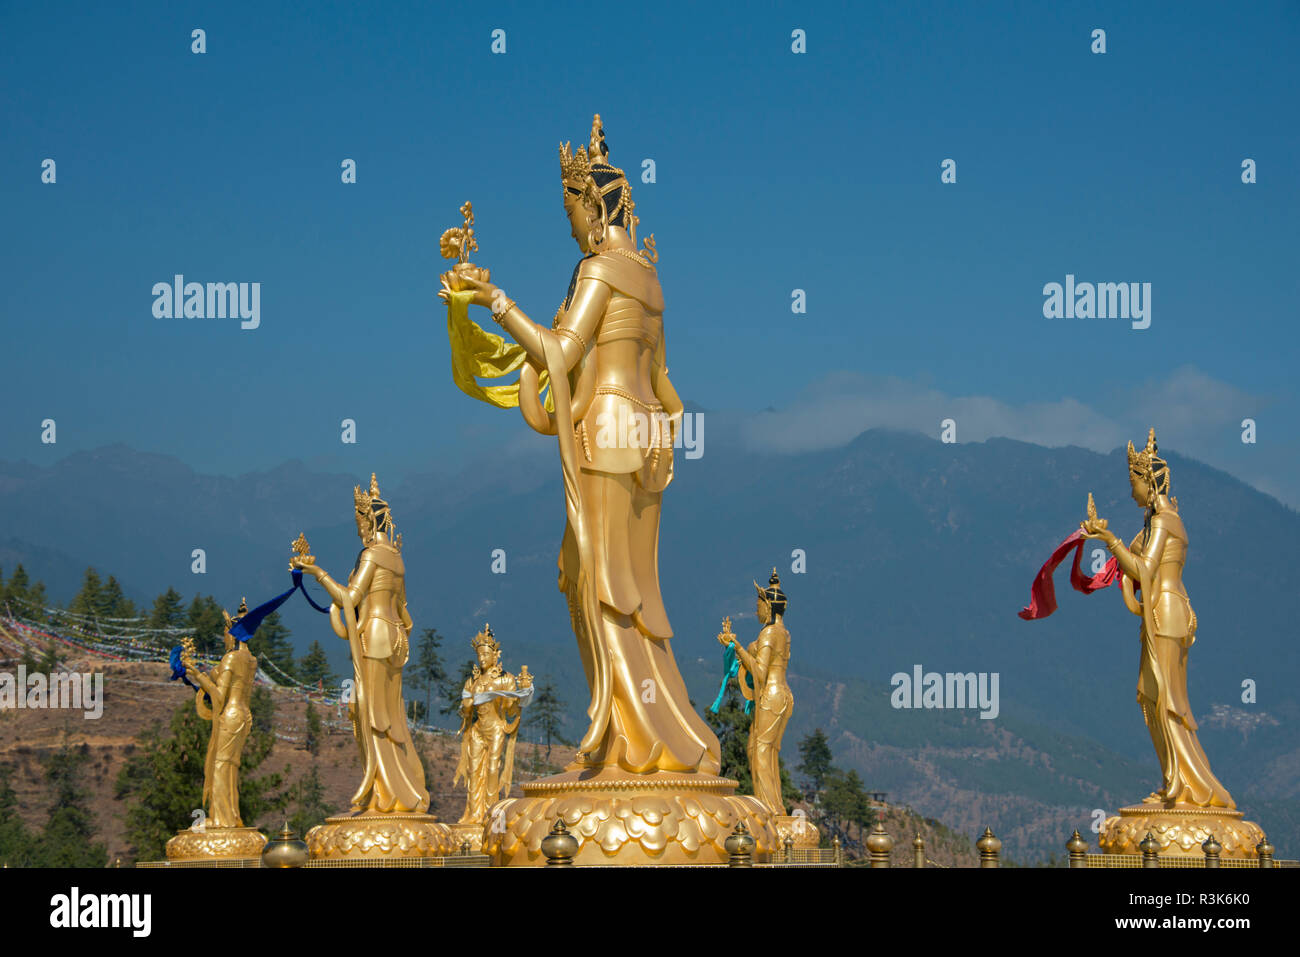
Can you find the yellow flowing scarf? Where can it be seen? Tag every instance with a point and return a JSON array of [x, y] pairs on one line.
[[479, 354]]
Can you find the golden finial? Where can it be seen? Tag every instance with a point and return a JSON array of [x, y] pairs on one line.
[[596, 148], [301, 548], [726, 636], [458, 242]]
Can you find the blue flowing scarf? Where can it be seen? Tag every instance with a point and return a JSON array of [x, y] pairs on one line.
[[246, 626], [731, 669]]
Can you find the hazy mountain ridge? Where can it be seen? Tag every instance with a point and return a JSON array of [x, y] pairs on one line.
[[917, 552]]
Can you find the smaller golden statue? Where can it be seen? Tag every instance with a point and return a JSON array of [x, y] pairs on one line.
[[492, 703], [222, 698], [1191, 803], [760, 673], [388, 809]]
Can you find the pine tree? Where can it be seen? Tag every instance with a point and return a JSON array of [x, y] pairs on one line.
[[16, 592], [16, 842], [49, 662], [546, 714], [816, 761], [68, 839], [314, 667], [22, 598], [452, 689], [731, 725], [308, 801], [427, 673], [271, 645], [168, 612], [262, 707], [89, 600], [115, 603], [36, 601], [846, 804], [205, 622], [315, 730]]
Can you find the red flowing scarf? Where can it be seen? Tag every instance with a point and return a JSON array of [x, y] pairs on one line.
[[1042, 594]]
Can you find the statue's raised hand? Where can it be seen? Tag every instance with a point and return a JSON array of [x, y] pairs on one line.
[[1092, 526]]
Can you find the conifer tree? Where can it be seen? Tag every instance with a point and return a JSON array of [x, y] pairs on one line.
[[428, 673], [314, 667], [68, 838], [308, 801], [271, 644], [16, 841]]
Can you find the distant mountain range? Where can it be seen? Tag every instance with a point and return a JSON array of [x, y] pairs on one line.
[[917, 553]]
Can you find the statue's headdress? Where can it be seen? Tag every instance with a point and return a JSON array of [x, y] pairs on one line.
[[372, 507], [771, 600], [232, 621], [485, 638], [1149, 465], [589, 174]]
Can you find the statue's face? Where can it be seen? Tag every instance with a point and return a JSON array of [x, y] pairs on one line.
[[361, 526], [1141, 488], [230, 641], [486, 657], [580, 219]]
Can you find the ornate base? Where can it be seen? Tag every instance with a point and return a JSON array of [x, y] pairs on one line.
[[1180, 830], [621, 818], [213, 843], [462, 834], [367, 836], [801, 831]]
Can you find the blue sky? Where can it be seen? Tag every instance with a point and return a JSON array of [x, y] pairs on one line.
[[775, 171]]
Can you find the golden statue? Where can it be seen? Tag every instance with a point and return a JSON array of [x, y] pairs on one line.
[[222, 698], [369, 612], [616, 416], [760, 673], [492, 703], [766, 660], [1191, 802]]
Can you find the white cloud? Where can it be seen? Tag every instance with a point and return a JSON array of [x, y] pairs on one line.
[[1192, 413]]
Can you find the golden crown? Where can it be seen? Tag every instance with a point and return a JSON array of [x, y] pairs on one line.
[[485, 637], [371, 506], [1149, 464], [576, 169]]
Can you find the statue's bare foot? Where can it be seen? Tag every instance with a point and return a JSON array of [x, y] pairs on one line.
[[1155, 797]]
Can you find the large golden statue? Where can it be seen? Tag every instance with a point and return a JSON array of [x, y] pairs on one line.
[[1191, 802], [616, 416], [369, 612], [491, 708], [222, 698]]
